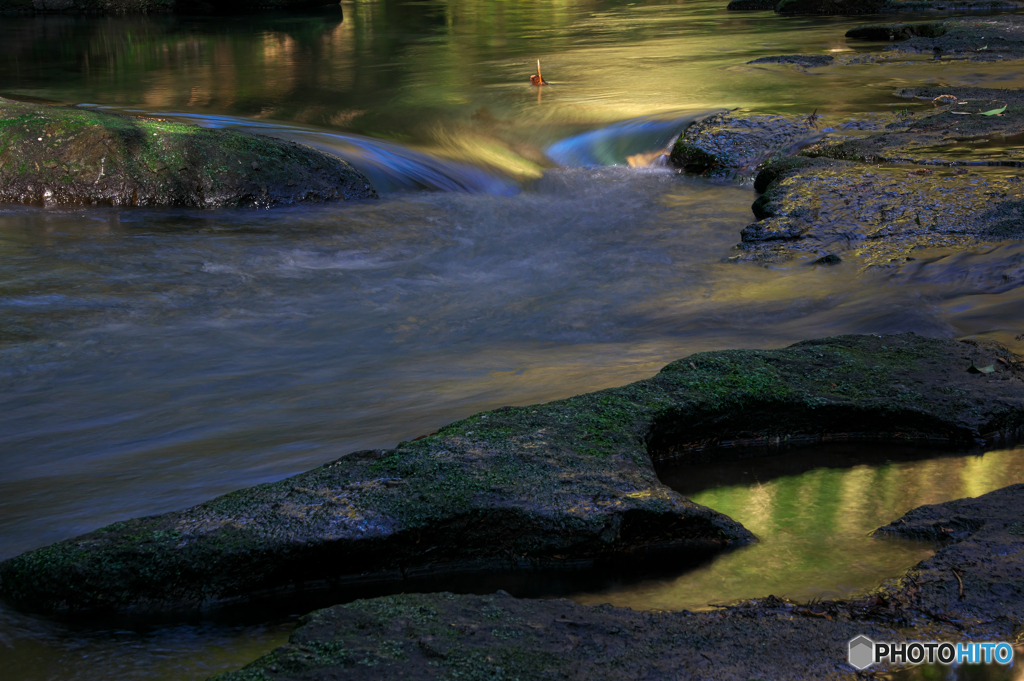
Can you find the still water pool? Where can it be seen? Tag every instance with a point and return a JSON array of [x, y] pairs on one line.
[[151, 359]]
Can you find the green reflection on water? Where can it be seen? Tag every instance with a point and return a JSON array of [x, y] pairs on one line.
[[814, 528]]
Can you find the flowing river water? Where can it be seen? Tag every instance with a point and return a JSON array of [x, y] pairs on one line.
[[151, 359]]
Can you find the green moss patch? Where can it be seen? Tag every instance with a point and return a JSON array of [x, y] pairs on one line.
[[68, 156]]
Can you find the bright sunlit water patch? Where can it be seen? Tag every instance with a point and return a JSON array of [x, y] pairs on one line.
[[814, 527]]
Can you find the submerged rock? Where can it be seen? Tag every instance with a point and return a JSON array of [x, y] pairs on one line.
[[70, 156], [571, 482], [729, 144], [973, 588], [805, 60]]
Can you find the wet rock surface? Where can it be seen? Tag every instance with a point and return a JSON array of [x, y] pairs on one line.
[[977, 581], [571, 482], [427, 636], [971, 38], [53, 155], [885, 196], [973, 588], [731, 145], [882, 215], [976, 39], [849, 7], [939, 136]]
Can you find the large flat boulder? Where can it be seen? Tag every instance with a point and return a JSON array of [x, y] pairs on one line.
[[875, 196], [56, 155], [972, 588], [568, 483]]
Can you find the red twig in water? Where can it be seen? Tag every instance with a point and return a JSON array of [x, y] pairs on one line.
[[538, 80]]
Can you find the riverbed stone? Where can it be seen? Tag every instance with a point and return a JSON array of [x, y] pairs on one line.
[[929, 136], [966, 38], [850, 7], [733, 145], [884, 196], [972, 588], [977, 579], [568, 483], [55, 155]]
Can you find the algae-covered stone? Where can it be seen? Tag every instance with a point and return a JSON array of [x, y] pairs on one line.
[[973, 588], [70, 156], [568, 482], [730, 144]]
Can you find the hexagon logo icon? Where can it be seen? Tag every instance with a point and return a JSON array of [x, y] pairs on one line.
[[862, 652]]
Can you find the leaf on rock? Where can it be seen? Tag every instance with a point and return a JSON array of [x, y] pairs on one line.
[[981, 370], [993, 112]]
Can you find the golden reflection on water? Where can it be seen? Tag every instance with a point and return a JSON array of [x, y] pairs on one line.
[[814, 528]]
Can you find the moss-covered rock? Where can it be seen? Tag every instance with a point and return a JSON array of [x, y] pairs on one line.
[[568, 482], [731, 145], [70, 156], [973, 588]]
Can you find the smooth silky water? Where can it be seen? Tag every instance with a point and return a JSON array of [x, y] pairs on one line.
[[151, 359]]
